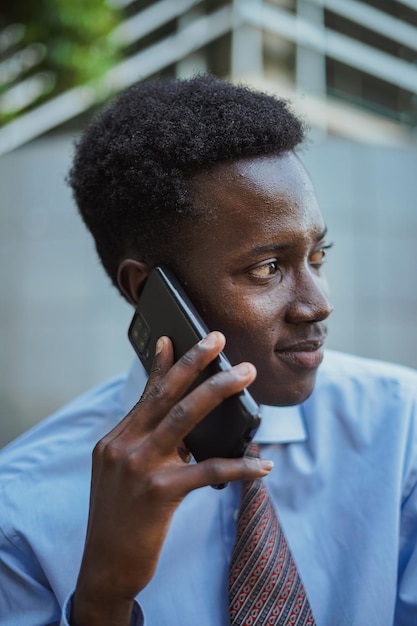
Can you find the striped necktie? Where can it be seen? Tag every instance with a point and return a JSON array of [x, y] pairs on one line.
[[264, 585]]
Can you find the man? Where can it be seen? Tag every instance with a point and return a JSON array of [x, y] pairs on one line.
[[201, 176]]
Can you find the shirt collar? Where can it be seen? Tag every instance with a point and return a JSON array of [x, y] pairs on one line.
[[278, 424]]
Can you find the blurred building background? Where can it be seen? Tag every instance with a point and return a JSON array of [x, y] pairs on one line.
[[349, 67]]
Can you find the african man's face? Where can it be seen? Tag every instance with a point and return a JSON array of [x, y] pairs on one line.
[[254, 271]]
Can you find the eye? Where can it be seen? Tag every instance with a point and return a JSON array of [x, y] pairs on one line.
[[267, 269], [317, 258]]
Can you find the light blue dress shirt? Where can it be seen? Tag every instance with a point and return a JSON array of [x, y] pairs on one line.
[[344, 486]]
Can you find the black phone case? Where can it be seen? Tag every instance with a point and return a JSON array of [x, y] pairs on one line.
[[164, 309]]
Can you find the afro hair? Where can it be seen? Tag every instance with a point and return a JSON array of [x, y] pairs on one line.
[[133, 164]]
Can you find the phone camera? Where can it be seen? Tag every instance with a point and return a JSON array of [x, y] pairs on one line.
[[141, 335]]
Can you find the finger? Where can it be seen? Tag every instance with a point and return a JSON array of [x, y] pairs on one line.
[[182, 418], [218, 471], [162, 361], [169, 384]]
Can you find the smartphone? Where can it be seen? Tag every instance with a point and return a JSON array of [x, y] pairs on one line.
[[165, 309]]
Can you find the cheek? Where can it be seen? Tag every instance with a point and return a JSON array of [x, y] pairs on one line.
[[236, 314], [250, 326]]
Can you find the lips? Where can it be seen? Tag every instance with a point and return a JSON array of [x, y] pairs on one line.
[[307, 353]]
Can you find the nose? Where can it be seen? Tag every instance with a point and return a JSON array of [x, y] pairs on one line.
[[309, 300]]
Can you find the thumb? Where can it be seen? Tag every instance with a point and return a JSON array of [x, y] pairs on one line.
[[162, 360]]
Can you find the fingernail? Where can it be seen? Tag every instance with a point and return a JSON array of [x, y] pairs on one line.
[[243, 370], [159, 345], [266, 465], [209, 341]]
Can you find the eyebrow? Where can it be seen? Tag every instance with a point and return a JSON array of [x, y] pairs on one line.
[[274, 247]]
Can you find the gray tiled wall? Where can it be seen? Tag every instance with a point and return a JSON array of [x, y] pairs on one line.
[[63, 327], [369, 197]]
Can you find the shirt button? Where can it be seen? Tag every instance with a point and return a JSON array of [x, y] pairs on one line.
[[235, 514]]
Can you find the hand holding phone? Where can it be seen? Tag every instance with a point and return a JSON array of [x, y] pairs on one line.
[[165, 309], [138, 481]]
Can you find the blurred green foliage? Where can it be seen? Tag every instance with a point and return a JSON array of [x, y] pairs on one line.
[[57, 43]]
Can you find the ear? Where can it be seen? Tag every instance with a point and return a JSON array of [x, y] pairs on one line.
[[131, 277]]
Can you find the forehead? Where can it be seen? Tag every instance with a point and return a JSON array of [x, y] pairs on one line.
[[259, 195]]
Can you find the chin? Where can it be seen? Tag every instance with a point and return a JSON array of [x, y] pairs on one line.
[[294, 393]]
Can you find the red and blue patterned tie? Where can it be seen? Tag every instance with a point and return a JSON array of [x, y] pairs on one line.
[[264, 585]]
